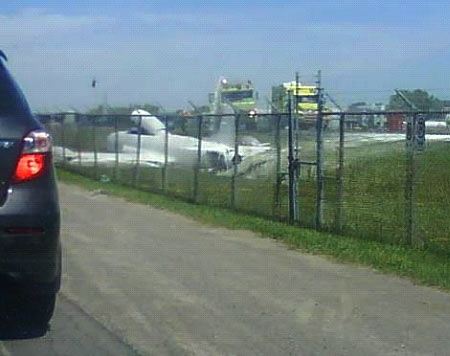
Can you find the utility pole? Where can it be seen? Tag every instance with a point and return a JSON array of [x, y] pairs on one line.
[[319, 154]]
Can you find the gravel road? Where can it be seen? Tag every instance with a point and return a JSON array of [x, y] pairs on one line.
[[142, 280]]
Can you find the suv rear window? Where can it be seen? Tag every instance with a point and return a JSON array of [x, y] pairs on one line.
[[16, 119], [12, 101]]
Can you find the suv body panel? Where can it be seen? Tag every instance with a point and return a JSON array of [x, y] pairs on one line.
[[31, 256]]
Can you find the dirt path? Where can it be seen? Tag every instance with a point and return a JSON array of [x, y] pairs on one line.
[[171, 286]]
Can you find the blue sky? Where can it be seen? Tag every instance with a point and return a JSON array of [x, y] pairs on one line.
[[151, 51]]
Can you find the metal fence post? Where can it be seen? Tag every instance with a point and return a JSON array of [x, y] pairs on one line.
[[410, 176], [237, 118], [319, 156], [94, 143], [63, 140], [138, 154], [340, 175], [166, 154], [79, 143], [199, 158], [116, 148], [409, 195], [278, 174]]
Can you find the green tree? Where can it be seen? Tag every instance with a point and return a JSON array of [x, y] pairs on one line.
[[419, 97]]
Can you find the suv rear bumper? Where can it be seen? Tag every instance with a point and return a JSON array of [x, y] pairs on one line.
[[34, 259], [33, 256]]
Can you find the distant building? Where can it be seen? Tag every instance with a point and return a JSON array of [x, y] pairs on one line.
[[366, 120]]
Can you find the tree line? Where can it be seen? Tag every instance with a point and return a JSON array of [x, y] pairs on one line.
[[420, 98]]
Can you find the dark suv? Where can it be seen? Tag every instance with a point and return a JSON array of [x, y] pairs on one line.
[[30, 250]]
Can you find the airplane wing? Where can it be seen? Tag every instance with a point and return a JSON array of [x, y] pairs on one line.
[[146, 157]]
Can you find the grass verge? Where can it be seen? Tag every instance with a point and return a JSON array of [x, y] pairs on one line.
[[420, 266]]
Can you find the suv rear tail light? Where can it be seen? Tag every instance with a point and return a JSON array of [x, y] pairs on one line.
[[34, 157]]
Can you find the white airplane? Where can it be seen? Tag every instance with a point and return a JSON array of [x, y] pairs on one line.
[[216, 153], [182, 150]]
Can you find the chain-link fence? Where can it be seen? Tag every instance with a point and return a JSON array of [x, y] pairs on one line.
[[370, 175]]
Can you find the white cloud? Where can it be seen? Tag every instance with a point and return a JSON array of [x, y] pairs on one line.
[[32, 26]]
